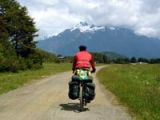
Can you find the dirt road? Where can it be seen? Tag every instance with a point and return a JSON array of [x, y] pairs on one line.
[[48, 100]]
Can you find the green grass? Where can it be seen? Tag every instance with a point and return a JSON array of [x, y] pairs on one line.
[[10, 81], [136, 86]]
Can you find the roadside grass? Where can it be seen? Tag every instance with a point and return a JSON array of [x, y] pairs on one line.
[[136, 86], [10, 81]]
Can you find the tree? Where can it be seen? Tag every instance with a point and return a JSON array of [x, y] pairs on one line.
[[17, 32], [133, 60], [19, 26], [143, 60], [155, 60]]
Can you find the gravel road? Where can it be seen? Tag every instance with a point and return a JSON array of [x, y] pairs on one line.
[[47, 99]]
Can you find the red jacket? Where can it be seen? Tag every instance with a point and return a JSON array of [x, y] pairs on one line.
[[83, 59]]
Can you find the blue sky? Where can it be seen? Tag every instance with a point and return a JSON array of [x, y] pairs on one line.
[[53, 16]]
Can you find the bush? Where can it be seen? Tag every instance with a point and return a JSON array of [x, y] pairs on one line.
[[14, 64], [9, 64], [30, 63]]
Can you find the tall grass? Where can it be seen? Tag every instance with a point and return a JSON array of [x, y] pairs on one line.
[[137, 86], [10, 81]]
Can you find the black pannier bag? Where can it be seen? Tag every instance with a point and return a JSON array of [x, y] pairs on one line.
[[89, 91], [75, 78], [73, 90]]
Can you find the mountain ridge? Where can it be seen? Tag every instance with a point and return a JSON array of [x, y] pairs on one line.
[[113, 39]]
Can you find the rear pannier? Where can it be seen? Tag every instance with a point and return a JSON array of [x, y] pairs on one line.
[[89, 91], [73, 90]]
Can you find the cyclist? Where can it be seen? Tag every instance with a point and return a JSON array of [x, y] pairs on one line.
[[83, 59]]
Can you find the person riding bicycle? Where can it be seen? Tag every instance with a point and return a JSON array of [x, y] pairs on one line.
[[83, 59], [82, 62]]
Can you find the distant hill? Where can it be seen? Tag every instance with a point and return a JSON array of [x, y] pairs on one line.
[[98, 39], [108, 57], [113, 55]]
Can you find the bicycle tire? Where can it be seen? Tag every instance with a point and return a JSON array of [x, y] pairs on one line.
[[81, 98]]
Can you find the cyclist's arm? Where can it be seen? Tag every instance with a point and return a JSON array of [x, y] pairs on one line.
[[74, 63], [92, 64]]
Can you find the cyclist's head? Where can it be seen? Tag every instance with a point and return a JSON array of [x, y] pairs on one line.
[[82, 48]]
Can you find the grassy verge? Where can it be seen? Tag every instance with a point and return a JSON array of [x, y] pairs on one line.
[[10, 81], [137, 86]]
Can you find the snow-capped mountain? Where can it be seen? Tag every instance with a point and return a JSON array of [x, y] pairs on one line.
[[85, 27], [100, 39]]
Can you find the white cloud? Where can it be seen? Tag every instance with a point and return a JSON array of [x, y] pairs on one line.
[[53, 16]]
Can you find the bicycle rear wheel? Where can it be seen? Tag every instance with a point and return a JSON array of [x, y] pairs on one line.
[[81, 99]]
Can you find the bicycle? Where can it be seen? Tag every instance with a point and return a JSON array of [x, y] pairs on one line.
[[83, 75]]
